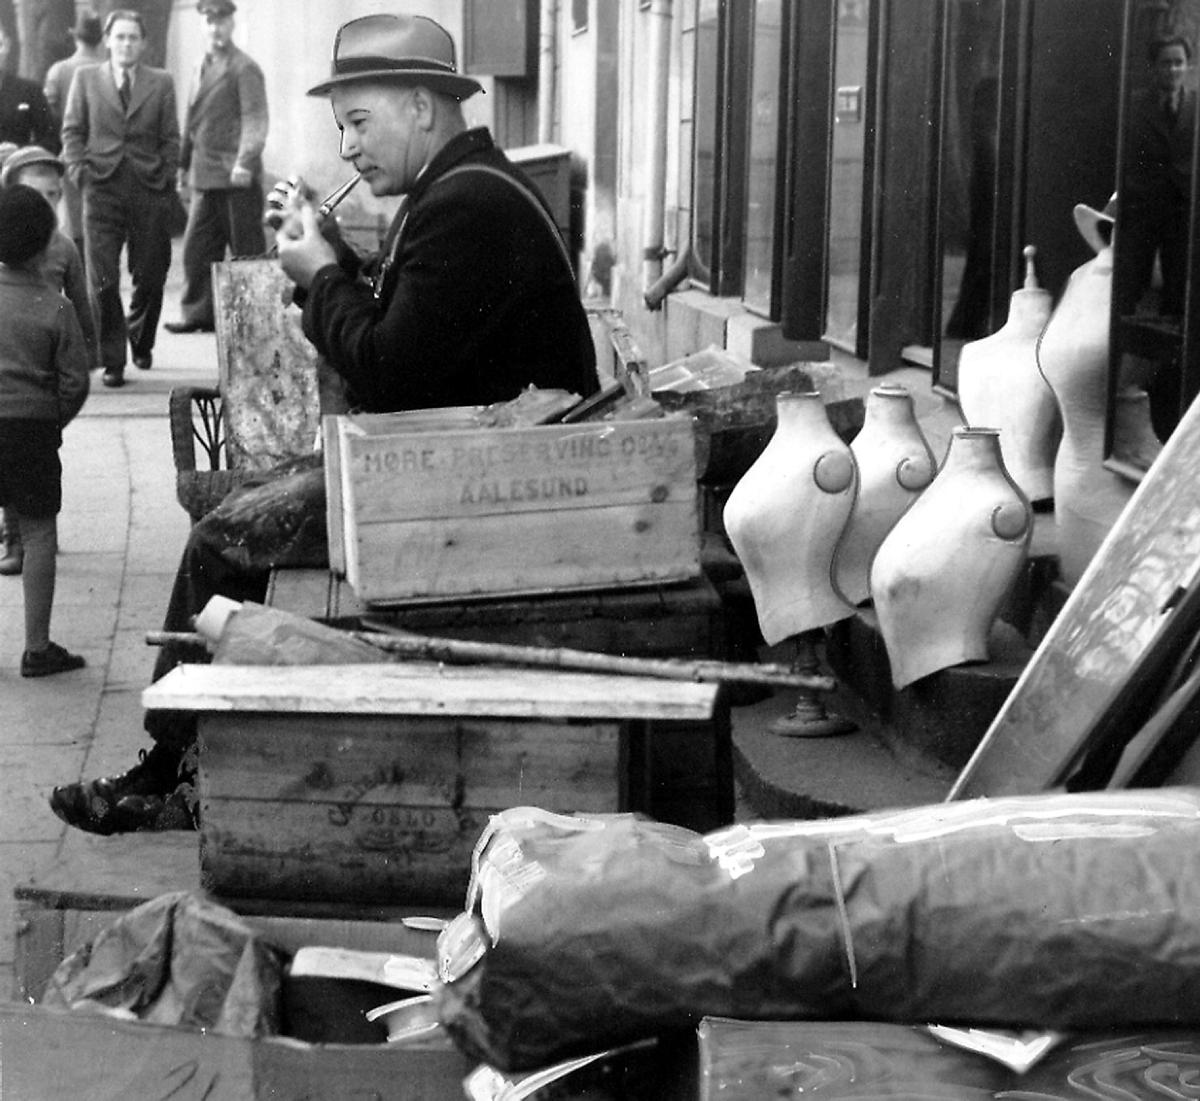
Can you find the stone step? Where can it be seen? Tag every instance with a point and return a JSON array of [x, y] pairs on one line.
[[781, 777], [944, 715]]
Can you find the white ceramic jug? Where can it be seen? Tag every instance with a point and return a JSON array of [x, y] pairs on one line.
[[944, 570], [785, 516], [1000, 386], [1134, 438], [1073, 355], [895, 464]]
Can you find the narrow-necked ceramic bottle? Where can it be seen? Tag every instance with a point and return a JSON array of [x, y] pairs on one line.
[[1134, 438], [895, 464], [944, 570], [785, 516], [1073, 355], [1000, 386]]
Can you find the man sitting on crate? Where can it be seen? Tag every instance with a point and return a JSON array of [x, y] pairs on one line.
[[471, 300]]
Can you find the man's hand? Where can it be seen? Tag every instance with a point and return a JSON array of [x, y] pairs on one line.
[[240, 176], [303, 251]]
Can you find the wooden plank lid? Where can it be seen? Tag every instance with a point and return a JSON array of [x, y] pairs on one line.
[[422, 688]]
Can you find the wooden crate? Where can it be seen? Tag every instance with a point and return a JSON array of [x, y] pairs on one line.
[[751, 1060], [491, 511], [93, 879], [51, 1055], [685, 620], [374, 782], [684, 772]]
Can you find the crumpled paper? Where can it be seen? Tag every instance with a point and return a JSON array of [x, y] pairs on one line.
[[179, 959]]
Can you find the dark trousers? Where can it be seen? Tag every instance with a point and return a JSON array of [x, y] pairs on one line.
[[217, 219], [1147, 230], [203, 573], [122, 212]]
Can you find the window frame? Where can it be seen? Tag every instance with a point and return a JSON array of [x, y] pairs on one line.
[[720, 272]]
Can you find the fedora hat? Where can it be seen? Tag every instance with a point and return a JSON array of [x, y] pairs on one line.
[[1089, 222], [408, 49]]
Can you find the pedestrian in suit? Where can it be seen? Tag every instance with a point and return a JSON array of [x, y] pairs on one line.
[[25, 117], [223, 140], [88, 33], [1157, 182], [121, 147]]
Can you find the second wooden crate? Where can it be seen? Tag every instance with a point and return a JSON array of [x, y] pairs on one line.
[[439, 514], [374, 782]]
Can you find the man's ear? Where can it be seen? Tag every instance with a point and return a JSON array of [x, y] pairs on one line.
[[425, 106]]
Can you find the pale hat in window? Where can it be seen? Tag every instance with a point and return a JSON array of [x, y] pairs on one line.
[[406, 49], [1096, 226]]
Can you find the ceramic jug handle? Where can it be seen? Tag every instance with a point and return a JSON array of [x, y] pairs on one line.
[[914, 474], [1010, 520], [834, 472]]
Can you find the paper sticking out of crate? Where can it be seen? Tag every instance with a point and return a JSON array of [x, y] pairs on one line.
[[422, 510]]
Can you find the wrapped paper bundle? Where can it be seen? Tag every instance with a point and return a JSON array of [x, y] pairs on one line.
[[1062, 911]]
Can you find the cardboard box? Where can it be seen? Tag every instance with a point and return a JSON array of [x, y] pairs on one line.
[[375, 782], [431, 513], [50, 1054]]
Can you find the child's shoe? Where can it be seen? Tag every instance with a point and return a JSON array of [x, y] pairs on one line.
[[47, 662]]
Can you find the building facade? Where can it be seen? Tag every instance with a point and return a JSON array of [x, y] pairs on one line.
[[776, 177]]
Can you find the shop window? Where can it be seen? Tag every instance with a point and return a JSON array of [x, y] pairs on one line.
[[969, 153], [850, 172], [765, 160], [1156, 264], [500, 38], [721, 43]]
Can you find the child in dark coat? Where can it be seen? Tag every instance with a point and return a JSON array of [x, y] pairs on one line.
[[43, 384]]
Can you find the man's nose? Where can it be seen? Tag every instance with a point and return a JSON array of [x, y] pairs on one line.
[[347, 147]]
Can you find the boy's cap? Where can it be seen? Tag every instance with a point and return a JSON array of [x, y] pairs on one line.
[[26, 223], [23, 158]]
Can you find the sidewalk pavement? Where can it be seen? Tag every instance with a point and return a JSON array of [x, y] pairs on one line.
[[121, 532]]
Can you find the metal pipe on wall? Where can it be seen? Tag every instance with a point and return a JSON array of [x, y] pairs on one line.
[[654, 209], [547, 69]]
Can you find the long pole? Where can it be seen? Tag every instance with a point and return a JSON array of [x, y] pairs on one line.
[[455, 651]]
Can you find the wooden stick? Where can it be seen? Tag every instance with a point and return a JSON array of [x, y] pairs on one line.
[[463, 651], [167, 638], [453, 650]]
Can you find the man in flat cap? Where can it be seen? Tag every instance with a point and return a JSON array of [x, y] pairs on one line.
[[471, 300], [223, 140]]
